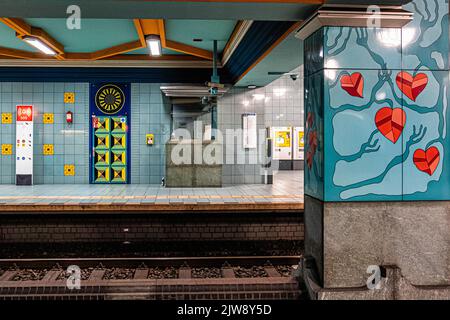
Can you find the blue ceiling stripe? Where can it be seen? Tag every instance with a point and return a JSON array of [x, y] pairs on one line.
[[149, 75], [258, 39]]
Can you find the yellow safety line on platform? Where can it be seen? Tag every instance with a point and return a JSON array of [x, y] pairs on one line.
[[150, 197]]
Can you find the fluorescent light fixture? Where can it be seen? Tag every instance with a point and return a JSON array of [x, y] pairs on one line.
[[38, 44], [258, 96], [278, 92], [154, 44]]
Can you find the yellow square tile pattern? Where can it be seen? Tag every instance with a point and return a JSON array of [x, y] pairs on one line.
[[7, 118], [48, 118], [69, 170], [6, 149], [69, 97], [48, 150]]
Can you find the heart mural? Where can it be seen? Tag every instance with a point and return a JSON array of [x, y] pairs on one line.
[[353, 84], [411, 86], [427, 161], [312, 147], [309, 120], [390, 122], [309, 158]]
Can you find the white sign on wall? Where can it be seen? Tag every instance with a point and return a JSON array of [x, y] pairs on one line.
[[207, 134], [249, 131], [299, 143], [24, 145]]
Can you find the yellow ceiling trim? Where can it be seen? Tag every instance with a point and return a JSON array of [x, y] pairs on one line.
[[24, 29], [140, 31], [157, 27], [115, 50], [20, 54], [193, 51], [162, 32]]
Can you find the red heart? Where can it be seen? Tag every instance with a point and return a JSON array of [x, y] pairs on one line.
[[309, 120], [426, 161], [312, 147], [390, 122], [312, 141], [411, 86], [309, 158], [353, 84]]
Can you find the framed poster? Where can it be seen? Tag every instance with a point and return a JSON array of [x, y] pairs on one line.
[[282, 143], [249, 131], [299, 143]]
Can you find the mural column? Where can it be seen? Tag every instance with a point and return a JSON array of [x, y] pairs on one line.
[[376, 119]]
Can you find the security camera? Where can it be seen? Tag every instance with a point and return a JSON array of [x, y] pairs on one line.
[[213, 91], [294, 77]]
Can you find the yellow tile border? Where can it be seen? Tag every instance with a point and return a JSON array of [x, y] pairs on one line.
[[7, 118], [48, 118], [69, 170], [69, 97], [48, 150], [7, 149]]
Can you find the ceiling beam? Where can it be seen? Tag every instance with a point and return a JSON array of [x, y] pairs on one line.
[[119, 49], [21, 54], [157, 27], [187, 49], [23, 29], [239, 32], [140, 31], [105, 53], [166, 57], [162, 32], [17, 25], [119, 61]]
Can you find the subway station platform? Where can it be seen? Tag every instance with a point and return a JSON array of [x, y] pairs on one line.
[[286, 193]]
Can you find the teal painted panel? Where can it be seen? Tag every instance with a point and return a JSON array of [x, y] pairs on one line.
[[314, 136], [95, 34], [386, 128], [185, 31], [363, 160], [8, 39]]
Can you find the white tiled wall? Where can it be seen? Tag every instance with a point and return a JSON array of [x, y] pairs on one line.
[[278, 104]]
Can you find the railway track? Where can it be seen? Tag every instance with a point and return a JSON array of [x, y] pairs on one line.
[[190, 278]]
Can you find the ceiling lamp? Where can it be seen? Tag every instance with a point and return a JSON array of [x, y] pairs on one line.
[[38, 44], [154, 44]]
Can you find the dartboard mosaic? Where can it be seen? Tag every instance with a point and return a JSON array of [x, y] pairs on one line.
[[110, 99]]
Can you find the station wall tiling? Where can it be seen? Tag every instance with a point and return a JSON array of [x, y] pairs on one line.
[[71, 142], [278, 104], [150, 114], [384, 100]]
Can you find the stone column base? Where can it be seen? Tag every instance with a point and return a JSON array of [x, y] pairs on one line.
[[393, 287]]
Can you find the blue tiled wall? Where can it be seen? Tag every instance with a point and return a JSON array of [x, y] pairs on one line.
[[70, 141], [150, 114]]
